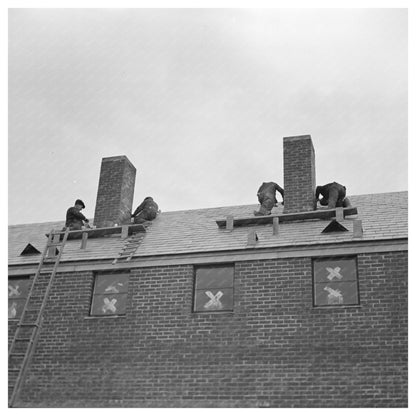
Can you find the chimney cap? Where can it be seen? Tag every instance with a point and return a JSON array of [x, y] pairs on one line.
[[117, 158], [294, 138]]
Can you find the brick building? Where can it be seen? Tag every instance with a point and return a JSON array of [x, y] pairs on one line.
[[218, 308]]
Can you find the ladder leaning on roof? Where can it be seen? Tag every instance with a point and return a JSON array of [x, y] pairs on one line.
[[29, 326]]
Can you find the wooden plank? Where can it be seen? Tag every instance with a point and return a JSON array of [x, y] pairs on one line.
[[52, 250], [101, 232], [229, 224], [357, 228], [84, 241], [242, 221], [339, 214], [252, 238], [124, 231], [321, 214], [275, 225]]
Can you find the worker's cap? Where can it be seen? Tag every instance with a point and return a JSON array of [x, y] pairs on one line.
[[79, 202]]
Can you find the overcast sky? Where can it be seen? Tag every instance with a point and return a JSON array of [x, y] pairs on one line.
[[199, 101]]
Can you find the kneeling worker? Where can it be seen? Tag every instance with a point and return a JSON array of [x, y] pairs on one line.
[[333, 195], [266, 195], [74, 219], [146, 211]]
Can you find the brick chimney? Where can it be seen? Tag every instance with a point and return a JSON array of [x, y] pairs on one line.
[[299, 174], [115, 192]]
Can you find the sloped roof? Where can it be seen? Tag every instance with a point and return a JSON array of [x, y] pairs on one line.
[[384, 217]]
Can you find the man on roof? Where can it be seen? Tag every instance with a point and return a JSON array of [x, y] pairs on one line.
[[146, 211], [267, 197], [75, 220], [333, 195]]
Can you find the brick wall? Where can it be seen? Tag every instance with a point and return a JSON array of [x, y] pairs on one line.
[[299, 174], [274, 350], [115, 192]]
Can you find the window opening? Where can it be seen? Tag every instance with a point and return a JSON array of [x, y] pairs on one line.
[[214, 287], [110, 294], [18, 291], [335, 281]]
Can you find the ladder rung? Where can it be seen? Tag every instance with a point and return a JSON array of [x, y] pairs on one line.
[[26, 331], [19, 354], [28, 324], [23, 339], [36, 298]]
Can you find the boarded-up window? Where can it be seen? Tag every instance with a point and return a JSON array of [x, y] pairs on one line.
[[335, 282], [214, 288], [110, 294], [18, 292]]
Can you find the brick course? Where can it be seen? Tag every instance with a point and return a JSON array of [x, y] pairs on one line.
[[274, 350]]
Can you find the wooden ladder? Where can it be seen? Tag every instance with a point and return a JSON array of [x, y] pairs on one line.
[[129, 248], [29, 326]]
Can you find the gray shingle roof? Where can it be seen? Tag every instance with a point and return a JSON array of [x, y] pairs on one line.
[[384, 217]]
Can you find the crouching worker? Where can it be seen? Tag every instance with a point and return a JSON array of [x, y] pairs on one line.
[[267, 197], [146, 211], [333, 195], [74, 218]]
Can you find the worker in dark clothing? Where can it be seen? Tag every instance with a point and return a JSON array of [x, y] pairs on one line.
[[267, 197], [333, 195], [74, 219], [146, 211]]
